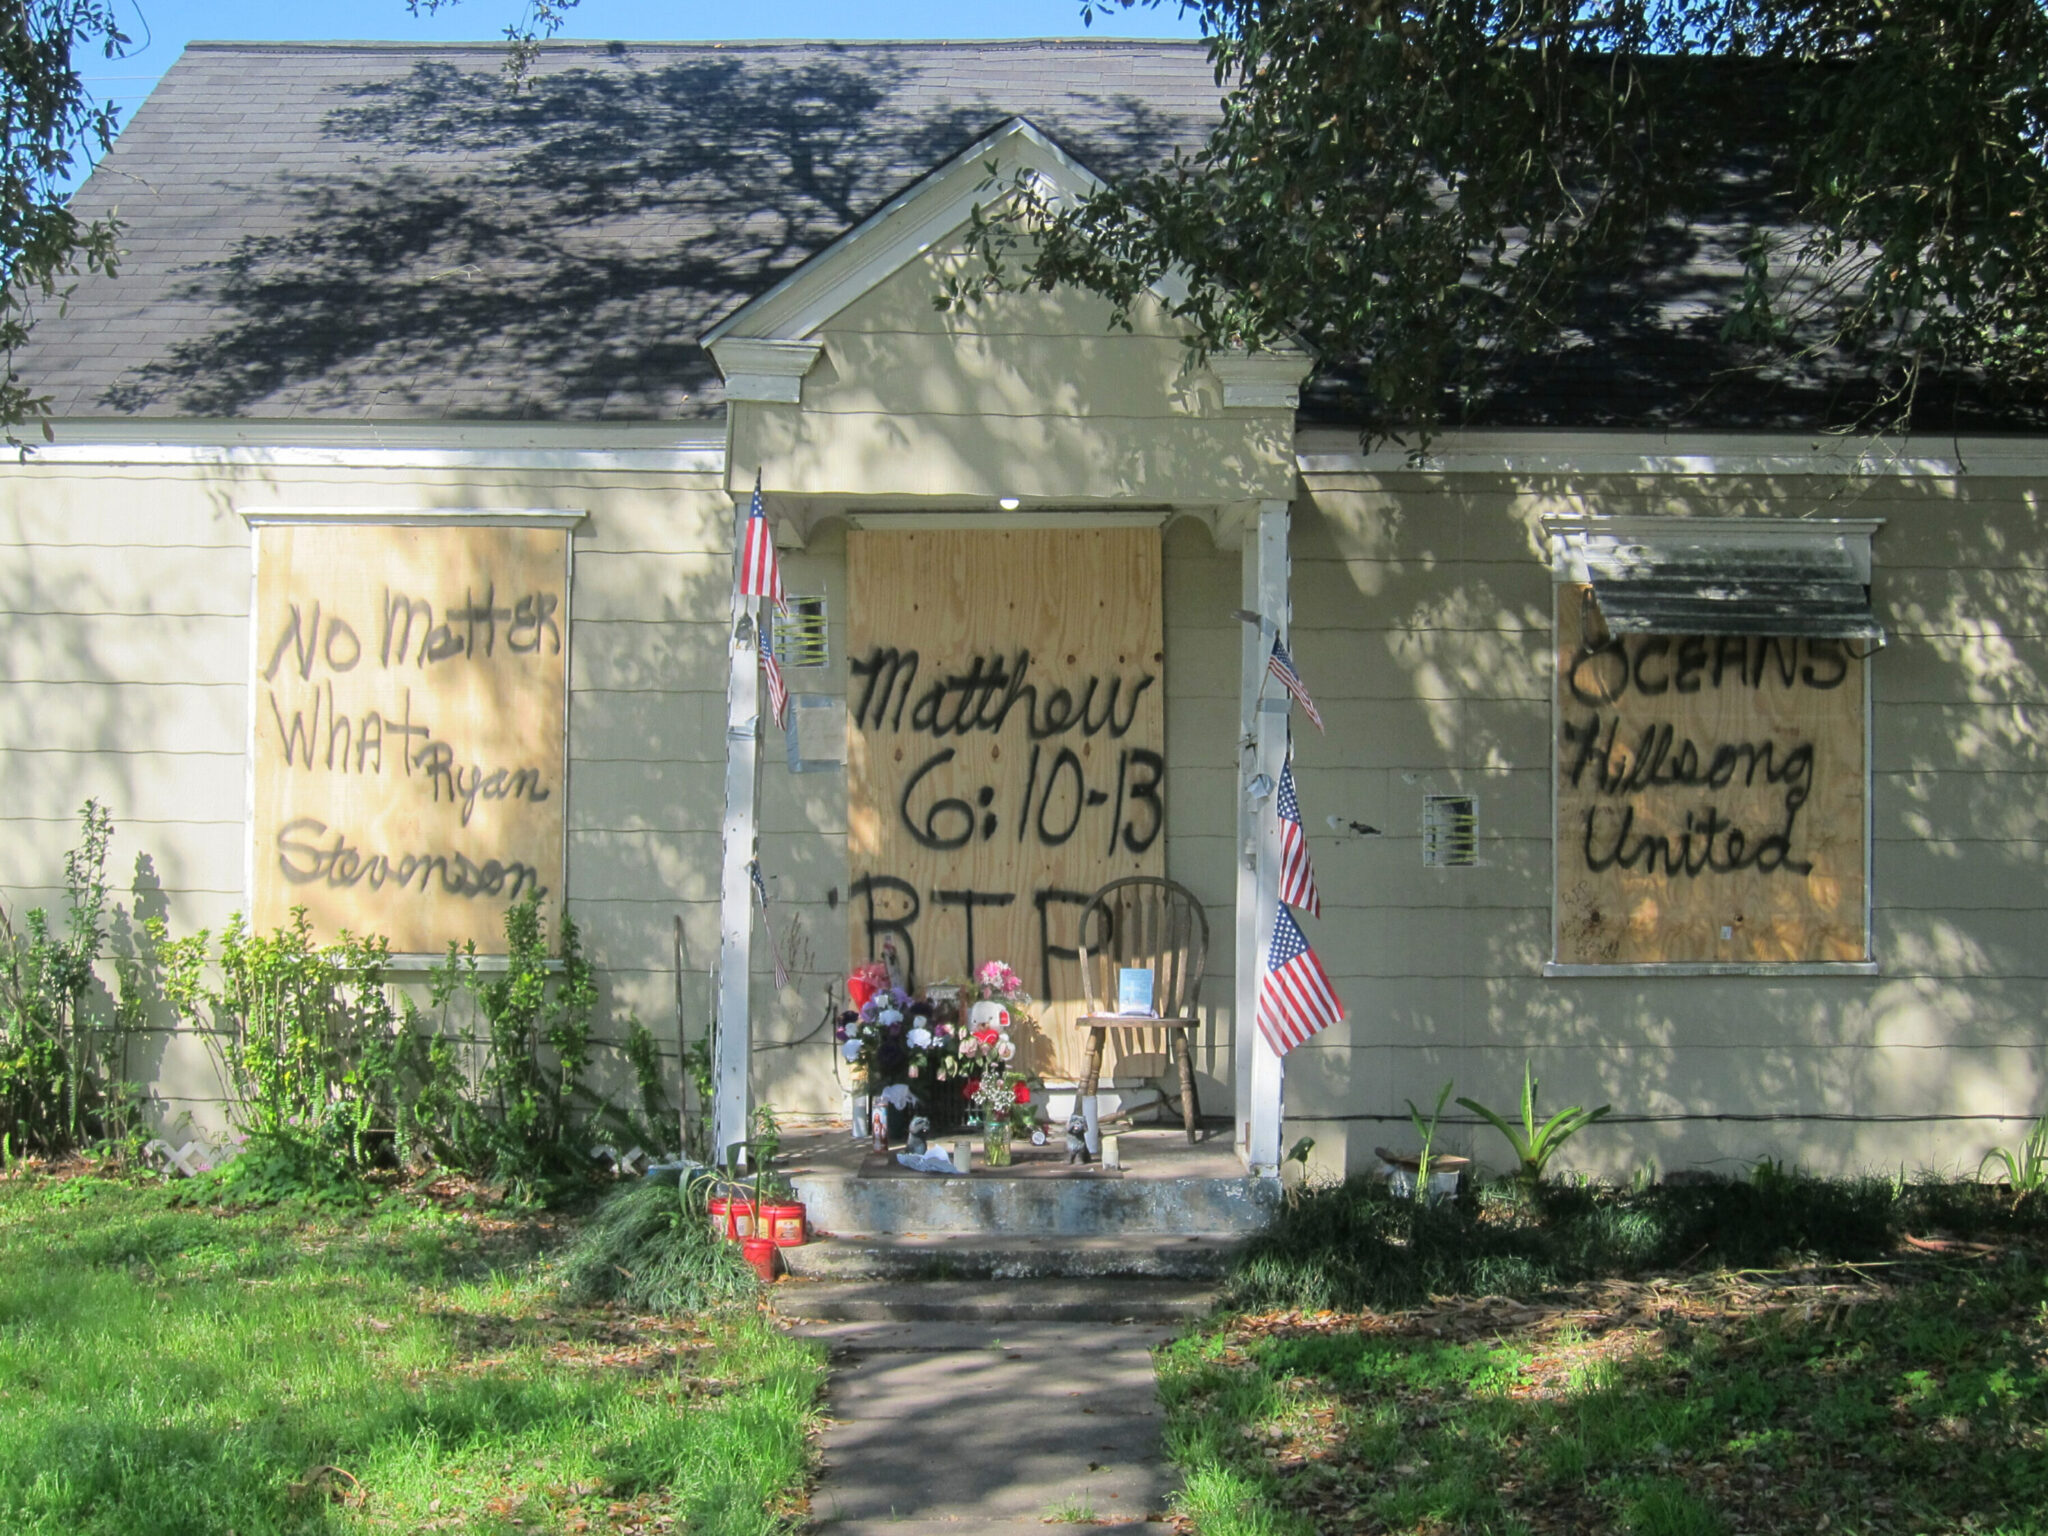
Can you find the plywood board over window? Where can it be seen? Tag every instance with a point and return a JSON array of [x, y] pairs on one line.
[[1712, 796], [1006, 754], [408, 728]]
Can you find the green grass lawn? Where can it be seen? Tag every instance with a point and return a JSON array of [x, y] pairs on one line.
[[1905, 1394], [182, 1370]]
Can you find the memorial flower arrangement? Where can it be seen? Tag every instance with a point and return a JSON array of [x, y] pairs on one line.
[[894, 1037], [995, 1002], [957, 1036]]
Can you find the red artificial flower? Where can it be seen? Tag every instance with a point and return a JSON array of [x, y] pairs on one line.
[[973, 1087], [1023, 1093]]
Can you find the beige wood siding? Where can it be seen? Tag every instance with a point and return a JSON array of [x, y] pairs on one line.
[[1201, 585], [1030, 395], [1423, 618], [124, 653]]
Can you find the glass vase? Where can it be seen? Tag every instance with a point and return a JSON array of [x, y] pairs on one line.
[[995, 1146]]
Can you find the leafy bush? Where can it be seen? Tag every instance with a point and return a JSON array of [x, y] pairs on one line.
[[650, 1245], [523, 1120], [311, 1039], [335, 1073], [59, 1087]]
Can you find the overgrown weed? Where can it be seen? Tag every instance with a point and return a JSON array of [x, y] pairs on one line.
[[649, 1245]]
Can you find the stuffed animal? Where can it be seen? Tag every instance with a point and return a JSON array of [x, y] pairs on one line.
[[1077, 1138], [920, 1128]]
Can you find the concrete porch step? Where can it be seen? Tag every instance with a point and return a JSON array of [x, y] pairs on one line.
[[987, 1256], [847, 1205], [946, 1301]]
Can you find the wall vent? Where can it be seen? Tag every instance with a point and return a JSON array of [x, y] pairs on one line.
[[799, 638], [1450, 831]]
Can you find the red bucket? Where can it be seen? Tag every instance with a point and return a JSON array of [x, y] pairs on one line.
[[760, 1252], [732, 1216], [782, 1223]]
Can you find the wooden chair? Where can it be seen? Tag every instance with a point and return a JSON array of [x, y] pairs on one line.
[[1157, 924]]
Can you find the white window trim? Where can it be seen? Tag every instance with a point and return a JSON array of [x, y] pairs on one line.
[[409, 962]]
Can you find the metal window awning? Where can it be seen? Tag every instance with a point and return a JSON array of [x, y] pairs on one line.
[[1723, 576]]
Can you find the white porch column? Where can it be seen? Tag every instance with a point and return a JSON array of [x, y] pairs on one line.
[[1262, 752], [733, 1050]]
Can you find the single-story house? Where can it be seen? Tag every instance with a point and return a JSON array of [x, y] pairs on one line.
[[381, 561]]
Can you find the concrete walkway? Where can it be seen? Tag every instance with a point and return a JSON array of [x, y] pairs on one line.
[[990, 1428]]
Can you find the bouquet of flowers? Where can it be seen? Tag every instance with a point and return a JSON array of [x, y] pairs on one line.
[[895, 1038], [955, 1035], [995, 1002]]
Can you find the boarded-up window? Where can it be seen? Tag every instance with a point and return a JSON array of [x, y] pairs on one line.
[[408, 728], [1007, 741], [1712, 789]]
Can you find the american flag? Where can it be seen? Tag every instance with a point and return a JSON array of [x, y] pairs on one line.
[[778, 690], [1296, 998], [760, 576], [775, 949], [1297, 875], [1281, 665]]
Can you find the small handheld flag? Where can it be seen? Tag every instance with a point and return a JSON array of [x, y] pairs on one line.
[[1297, 875], [1295, 996], [1281, 665], [760, 576], [768, 922], [778, 690]]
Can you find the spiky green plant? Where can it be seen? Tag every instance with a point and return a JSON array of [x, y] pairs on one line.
[[2026, 1166], [1534, 1146]]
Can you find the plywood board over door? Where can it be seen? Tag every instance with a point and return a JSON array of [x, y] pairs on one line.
[[1006, 753], [1712, 796]]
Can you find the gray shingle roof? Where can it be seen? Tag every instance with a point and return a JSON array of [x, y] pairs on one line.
[[346, 231], [363, 232]]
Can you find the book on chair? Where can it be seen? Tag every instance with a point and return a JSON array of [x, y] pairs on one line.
[[1134, 992]]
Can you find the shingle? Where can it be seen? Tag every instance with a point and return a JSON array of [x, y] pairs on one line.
[[344, 225], [351, 230]]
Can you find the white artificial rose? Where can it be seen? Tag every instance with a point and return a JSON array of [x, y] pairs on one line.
[[851, 1050], [918, 1039], [1006, 1049], [889, 1016]]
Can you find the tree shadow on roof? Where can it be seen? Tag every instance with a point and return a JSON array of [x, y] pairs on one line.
[[553, 252]]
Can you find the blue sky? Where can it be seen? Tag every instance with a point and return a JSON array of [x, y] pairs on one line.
[[161, 28]]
